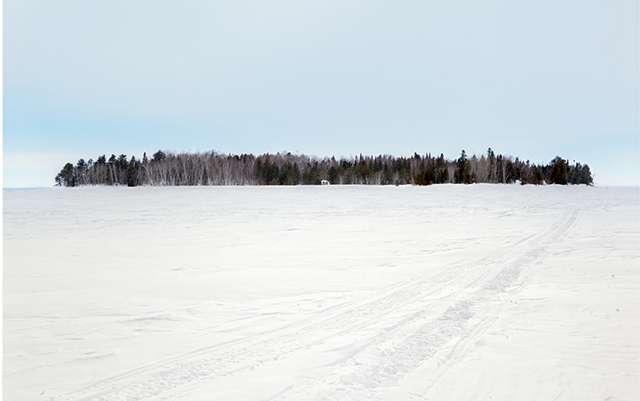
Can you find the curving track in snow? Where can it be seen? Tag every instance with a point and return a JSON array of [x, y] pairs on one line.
[[426, 315]]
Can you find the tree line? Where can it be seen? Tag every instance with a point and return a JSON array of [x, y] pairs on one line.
[[212, 168]]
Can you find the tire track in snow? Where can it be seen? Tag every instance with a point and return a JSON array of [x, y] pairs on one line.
[[357, 379], [225, 360], [153, 380]]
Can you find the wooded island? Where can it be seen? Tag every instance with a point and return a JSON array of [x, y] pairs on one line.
[[212, 168]]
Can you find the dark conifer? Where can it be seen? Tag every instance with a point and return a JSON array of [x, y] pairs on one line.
[[559, 171], [159, 156], [461, 165], [132, 172], [67, 176], [333, 175]]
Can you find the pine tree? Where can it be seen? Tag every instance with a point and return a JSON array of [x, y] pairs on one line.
[[491, 174], [67, 176], [468, 175], [295, 174], [132, 172], [333, 175], [559, 171], [461, 166], [585, 175], [81, 170], [159, 156]]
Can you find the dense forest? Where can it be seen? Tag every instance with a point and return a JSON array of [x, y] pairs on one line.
[[211, 168]]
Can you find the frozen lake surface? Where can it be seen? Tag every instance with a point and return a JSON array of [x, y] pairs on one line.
[[449, 292]]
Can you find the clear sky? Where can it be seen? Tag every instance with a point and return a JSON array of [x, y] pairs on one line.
[[530, 78]]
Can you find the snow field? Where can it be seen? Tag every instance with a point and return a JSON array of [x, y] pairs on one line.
[[274, 293]]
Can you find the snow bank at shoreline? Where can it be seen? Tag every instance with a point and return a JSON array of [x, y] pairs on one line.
[[445, 292]]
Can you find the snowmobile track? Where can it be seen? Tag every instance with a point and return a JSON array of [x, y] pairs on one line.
[[444, 316]]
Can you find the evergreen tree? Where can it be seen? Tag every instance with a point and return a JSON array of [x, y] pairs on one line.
[[441, 170], [81, 165], [461, 166], [491, 173], [579, 174], [585, 176], [159, 156], [363, 171], [426, 176], [287, 174], [269, 173], [500, 170], [67, 176], [81, 170], [333, 175], [559, 171], [468, 175], [296, 177], [510, 172], [257, 171], [132, 172], [443, 176], [538, 176], [121, 167], [113, 170], [312, 175]]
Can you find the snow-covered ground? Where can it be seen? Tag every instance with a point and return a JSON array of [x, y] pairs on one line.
[[449, 292]]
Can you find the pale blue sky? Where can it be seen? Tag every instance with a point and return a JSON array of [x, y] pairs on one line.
[[533, 79]]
